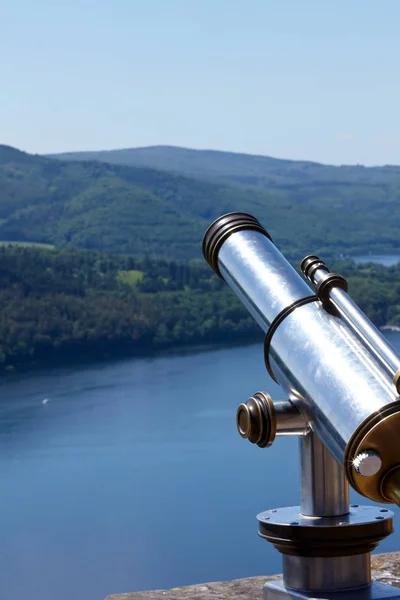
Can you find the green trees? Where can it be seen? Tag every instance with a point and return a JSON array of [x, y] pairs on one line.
[[61, 304], [73, 304]]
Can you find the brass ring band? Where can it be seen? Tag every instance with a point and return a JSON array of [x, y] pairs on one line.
[[396, 381]]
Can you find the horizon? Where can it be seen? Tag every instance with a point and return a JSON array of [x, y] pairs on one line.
[[216, 150]]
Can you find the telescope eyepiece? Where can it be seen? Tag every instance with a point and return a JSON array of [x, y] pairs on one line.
[[310, 263], [221, 229], [316, 271], [306, 260]]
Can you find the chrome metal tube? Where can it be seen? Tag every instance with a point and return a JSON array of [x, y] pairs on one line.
[[314, 355], [356, 319], [326, 574], [288, 420], [324, 489], [260, 276]]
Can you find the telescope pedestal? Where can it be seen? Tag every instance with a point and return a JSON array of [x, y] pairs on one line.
[[325, 542]]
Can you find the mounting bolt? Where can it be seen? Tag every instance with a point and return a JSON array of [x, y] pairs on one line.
[[367, 463]]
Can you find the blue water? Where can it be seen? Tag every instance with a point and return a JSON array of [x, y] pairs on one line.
[[131, 475], [387, 260]]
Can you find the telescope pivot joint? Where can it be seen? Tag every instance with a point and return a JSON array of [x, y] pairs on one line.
[[260, 420]]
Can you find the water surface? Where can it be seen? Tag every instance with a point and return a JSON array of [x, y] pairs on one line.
[[387, 260], [131, 475]]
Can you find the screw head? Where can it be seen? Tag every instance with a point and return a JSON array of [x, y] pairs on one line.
[[367, 463]]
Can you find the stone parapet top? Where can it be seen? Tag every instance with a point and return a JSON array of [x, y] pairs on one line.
[[385, 568]]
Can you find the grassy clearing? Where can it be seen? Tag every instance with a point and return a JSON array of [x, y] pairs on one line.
[[130, 277]]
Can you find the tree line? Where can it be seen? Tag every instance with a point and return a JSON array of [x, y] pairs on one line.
[[61, 305]]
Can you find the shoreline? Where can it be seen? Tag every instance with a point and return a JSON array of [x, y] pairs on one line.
[[35, 366], [390, 328], [85, 360]]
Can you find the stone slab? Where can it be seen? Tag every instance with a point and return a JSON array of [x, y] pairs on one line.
[[385, 568]]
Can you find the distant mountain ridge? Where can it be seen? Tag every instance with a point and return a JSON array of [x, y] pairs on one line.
[[145, 210], [237, 167]]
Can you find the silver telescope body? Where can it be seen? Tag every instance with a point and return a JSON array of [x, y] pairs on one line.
[[321, 349]]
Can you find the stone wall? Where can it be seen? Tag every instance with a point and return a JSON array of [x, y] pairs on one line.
[[386, 569]]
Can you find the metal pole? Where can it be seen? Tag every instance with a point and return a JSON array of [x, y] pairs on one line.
[[326, 573], [324, 494], [324, 489]]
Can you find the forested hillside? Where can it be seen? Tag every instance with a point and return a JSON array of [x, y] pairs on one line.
[[60, 305], [142, 211], [66, 304]]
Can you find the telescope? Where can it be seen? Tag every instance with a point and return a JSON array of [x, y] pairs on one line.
[[341, 382]]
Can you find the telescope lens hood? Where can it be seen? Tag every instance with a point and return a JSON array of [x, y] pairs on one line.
[[221, 229]]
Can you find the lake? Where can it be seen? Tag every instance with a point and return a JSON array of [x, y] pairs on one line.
[[387, 260], [130, 475]]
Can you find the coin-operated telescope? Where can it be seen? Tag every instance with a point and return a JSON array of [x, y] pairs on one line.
[[342, 384]]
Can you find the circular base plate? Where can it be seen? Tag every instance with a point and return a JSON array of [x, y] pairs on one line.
[[358, 532]]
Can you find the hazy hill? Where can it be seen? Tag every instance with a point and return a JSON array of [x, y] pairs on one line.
[[107, 207], [239, 168], [124, 209]]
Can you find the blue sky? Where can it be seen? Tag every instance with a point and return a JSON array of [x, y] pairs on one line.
[[296, 79]]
